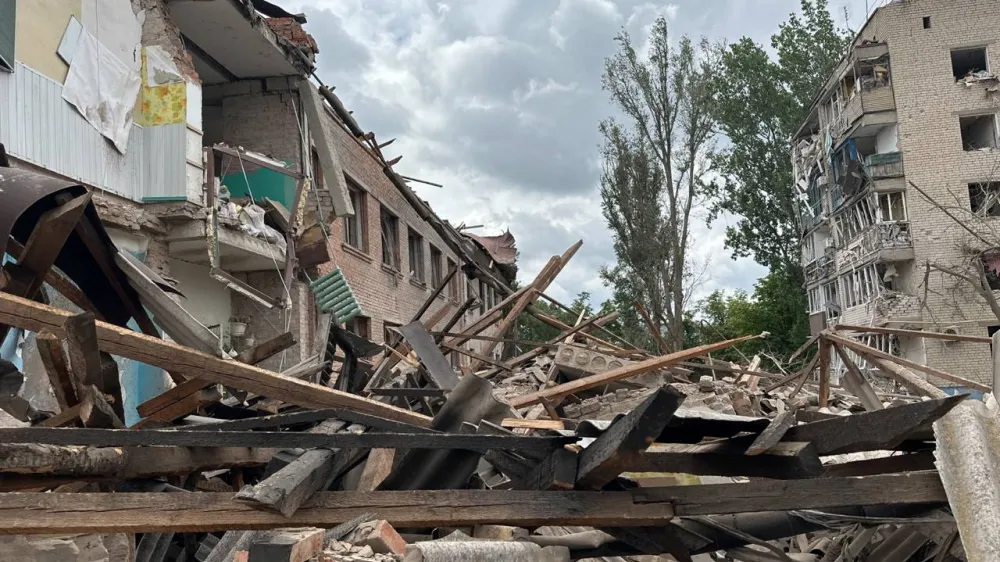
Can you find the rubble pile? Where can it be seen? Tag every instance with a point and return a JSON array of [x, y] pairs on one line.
[[583, 446]]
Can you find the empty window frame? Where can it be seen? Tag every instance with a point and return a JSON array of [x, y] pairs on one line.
[[927, 22], [436, 272], [361, 326], [415, 246], [390, 238], [8, 10], [482, 298], [815, 300], [979, 132], [968, 61], [832, 299], [355, 228], [984, 198], [453, 284], [470, 291], [892, 206]]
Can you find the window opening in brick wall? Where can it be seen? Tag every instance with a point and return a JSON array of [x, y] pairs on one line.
[[815, 302], [390, 336], [482, 298], [888, 276], [361, 326], [470, 291], [453, 284], [927, 22], [415, 245], [356, 227], [390, 239], [979, 132], [892, 206], [968, 61], [436, 274], [456, 360], [832, 299], [984, 198], [991, 266]]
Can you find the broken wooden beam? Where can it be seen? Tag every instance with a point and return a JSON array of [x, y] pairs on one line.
[[39, 513], [625, 372], [869, 431], [909, 462], [50, 351], [116, 340], [879, 354], [912, 333], [907, 378], [607, 457], [783, 461], [771, 435], [287, 439], [558, 471], [265, 350], [856, 383]]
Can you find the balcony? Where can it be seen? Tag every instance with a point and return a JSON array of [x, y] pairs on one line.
[[884, 166], [818, 270], [866, 112], [891, 240]]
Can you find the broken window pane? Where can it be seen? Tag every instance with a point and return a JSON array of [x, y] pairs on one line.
[[354, 227], [436, 275], [984, 198], [390, 239], [891, 207], [415, 244], [979, 132], [968, 61], [453, 285]]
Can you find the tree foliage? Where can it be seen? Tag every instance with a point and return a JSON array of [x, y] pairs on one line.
[[760, 102], [776, 307], [653, 167]]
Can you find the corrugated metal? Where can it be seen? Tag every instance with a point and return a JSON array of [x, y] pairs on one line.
[[38, 126]]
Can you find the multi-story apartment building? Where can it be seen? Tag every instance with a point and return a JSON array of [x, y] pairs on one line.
[[176, 111], [913, 102]]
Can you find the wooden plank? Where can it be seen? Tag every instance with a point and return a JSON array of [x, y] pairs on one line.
[[267, 349], [653, 328], [796, 375], [171, 396], [656, 363], [188, 404], [178, 359], [604, 459], [409, 392], [95, 410], [912, 333], [37, 513], [63, 418], [872, 352], [80, 335], [824, 373], [307, 416], [776, 495], [477, 357], [882, 429], [59, 282], [773, 433], [377, 468], [439, 370], [855, 382], [434, 294], [558, 471], [182, 438], [50, 351], [532, 424], [911, 462], [907, 378], [782, 461], [803, 348]]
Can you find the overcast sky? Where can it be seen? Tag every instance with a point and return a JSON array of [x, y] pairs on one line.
[[499, 101]]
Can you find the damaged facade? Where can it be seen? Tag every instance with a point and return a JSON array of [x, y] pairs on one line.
[[219, 165], [915, 100]]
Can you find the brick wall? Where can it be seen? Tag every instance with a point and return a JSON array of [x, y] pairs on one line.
[[386, 295], [928, 106]]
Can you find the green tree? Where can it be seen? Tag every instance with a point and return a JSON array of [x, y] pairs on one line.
[[760, 102], [775, 307], [653, 167], [530, 328]]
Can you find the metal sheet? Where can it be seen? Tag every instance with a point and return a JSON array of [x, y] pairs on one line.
[[24, 196], [438, 368], [39, 127]]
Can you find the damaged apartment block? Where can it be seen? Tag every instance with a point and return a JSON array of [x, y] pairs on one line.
[[230, 330], [867, 235]]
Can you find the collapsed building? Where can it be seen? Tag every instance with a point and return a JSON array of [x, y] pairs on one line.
[[911, 108], [226, 172], [231, 331]]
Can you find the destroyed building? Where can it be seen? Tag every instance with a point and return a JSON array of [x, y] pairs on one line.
[[219, 165], [912, 106]]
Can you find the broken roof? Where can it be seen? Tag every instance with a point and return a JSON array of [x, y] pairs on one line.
[[502, 248]]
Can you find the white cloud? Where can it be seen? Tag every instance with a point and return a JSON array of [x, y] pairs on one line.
[[499, 100]]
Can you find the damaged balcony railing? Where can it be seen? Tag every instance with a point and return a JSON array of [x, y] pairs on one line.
[[818, 269], [893, 235], [881, 166]]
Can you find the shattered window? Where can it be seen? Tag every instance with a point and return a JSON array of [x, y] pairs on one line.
[[979, 132], [437, 275], [453, 284], [991, 265], [984, 198], [415, 244], [892, 206], [832, 300], [390, 239], [354, 227], [969, 61], [361, 326]]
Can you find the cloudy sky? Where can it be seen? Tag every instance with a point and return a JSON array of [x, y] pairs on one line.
[[499, 101]]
